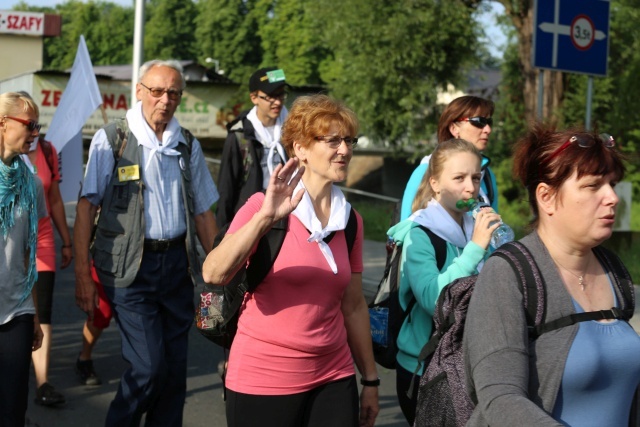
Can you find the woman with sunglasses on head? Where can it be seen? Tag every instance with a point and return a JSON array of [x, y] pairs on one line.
[[21, 206], [468, 118], [584, 374], [300, 331]]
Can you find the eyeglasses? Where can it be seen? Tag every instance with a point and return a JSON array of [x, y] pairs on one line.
[[584, 141], [157, 92], [30, 124], [273, 98], [334, 141], [478, 121]]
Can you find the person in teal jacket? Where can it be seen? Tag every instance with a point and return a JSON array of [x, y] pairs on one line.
[[454, 174], [468, 118]]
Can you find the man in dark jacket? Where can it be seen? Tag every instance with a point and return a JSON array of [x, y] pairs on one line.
[[252, 148]]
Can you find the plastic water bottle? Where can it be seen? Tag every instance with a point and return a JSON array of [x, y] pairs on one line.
[[501, 235]]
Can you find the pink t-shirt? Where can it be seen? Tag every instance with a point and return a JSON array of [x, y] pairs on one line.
[[291, 335], [46, 251]]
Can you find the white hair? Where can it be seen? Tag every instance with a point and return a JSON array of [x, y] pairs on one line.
[[171, 63]]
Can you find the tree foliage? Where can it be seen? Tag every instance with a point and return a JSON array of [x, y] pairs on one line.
[[169, 29], [107, 29], [389, 59]]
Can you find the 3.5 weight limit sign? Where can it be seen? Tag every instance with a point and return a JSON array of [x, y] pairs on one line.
[[572, 36]]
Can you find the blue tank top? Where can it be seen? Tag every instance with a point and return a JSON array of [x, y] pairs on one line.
[[601, 374]]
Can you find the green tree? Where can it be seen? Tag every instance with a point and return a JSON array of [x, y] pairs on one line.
[[169, 29], [227, 31], [107, 29], [291, 39], [389, 59]]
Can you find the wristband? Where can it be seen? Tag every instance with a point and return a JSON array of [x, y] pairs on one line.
[[67, 246], [370, 383]]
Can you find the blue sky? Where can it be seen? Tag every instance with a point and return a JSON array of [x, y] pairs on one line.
[[496, 39]]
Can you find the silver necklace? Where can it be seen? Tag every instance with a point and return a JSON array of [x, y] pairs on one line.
[[580, 277]]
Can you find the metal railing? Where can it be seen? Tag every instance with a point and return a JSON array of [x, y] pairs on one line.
[[344, 189]]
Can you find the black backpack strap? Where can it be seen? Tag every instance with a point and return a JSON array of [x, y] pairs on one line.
[[351, 230], [530, 281], [534, 292], [439, 245], [621, 278], [243, 147], [266, 253], [117, 135]]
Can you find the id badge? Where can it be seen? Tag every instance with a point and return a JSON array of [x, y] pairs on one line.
[[128, 173]]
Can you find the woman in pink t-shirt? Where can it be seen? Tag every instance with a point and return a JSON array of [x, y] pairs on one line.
[[300, 331], [43, 159]]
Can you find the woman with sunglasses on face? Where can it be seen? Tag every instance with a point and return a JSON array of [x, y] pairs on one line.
[[584, 374], [302, 328], [21, 206], [468, 118]]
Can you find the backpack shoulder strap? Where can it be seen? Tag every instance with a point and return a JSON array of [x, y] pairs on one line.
[[486, 177], [117, 135], [530, 281], [188, 137], [439, 244], [622, 278], [243, 147], [47, 150], [351, 230], [266, 253]]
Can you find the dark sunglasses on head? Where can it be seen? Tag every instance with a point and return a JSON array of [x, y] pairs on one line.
[[583, 141], [30, 124], [478, 121]]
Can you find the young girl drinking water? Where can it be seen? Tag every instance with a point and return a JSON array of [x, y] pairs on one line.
[[453, 175]]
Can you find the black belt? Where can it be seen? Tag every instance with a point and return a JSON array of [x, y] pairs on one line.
[[163, 245]]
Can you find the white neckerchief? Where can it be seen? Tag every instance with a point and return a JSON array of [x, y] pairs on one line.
[[340, 210], [272, 142], [438, 220], [147, 137]]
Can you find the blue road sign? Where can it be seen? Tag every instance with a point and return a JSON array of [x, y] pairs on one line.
[[572, 36]]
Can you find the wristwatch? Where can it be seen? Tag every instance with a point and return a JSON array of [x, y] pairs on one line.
[[370, 383]]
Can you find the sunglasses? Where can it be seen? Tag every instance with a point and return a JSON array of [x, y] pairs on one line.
[[334, 141], [583, 141], [478, 121], [30, 124], [157, 92]]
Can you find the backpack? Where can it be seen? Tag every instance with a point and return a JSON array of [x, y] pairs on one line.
[[386, 315], [442, 396], [219, 310]]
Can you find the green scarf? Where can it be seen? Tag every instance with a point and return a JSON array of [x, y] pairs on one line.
[[18, 191]]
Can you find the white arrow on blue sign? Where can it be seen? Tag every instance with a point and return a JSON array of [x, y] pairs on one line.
[[572, 36]]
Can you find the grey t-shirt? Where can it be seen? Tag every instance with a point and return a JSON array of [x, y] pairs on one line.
[[13, 270]]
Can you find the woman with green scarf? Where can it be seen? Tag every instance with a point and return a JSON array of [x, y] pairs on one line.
[[21, 205]]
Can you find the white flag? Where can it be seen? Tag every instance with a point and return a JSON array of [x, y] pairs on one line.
[[79, 100]]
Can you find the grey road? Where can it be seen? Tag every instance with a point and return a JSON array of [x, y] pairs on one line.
[[87, 406]]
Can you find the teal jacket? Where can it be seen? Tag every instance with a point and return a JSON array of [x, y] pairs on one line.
[[411, 189], [419, 276]]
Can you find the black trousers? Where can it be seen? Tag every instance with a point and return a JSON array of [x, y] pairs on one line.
[[16, 340], [403, 381], [334, 404]]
